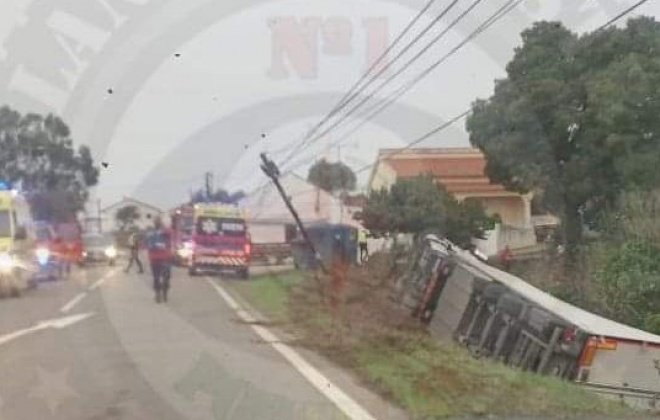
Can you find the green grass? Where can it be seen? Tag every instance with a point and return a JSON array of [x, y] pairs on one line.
[[269, 293], [428, 379]]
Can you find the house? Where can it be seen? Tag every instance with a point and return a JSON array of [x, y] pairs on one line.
[[270, 221], [147, 214], [462, 172]]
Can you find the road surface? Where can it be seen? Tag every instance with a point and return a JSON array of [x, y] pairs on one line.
[[97, 346]]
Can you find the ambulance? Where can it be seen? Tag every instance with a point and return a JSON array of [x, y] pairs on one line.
[[220, 240], [15, 247]]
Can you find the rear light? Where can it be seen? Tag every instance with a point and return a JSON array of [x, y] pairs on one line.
[[594, 344], [248, 248], [589, 352]]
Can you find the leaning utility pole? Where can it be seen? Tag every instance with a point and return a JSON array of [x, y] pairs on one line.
[[209, 185], [272, 171]]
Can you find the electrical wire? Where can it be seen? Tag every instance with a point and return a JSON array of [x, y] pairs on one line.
[[392, 97], [398, 72], [353, 93], [620, 15]]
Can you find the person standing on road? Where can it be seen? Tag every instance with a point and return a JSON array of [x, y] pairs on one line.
[[362, 243], [134, 247], [159, 246]]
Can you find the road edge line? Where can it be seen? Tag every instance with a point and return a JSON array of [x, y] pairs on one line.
[[336, 395]]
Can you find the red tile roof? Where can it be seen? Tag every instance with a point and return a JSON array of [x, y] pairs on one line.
[[459, 170]]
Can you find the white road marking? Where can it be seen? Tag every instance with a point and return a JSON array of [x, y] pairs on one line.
[[80, 296], [102, 280], [70, 304], [345, 403], [58, 323]]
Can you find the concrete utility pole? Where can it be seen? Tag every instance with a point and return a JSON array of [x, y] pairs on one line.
[[272, 171], [209, 185]]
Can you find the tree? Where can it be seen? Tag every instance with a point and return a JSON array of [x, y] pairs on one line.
[[126, 216], [575, 119], [332, 177], [419, 205], [38, 155], [218, 196]]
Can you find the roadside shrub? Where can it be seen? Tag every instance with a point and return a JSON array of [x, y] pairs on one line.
[[630, 284]]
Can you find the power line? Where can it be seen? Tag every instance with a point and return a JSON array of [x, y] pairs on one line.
[[500, 13], [346, 97], [396, 74], [392, 97], [620, 15], [353, 92]]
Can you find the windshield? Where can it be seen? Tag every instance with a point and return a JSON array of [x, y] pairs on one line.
[[213, 226], [5, 224]]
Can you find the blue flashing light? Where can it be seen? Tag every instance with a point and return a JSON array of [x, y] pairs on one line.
[[4, 186]]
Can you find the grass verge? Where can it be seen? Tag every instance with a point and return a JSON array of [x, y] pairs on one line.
[[400, 361]]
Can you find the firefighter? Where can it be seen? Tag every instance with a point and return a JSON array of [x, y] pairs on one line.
[[161, 257], [134, 247]]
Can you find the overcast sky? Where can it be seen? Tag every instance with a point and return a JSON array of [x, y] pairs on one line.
[[165, 90]]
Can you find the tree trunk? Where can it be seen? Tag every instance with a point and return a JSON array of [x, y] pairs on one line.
[[572, 232]]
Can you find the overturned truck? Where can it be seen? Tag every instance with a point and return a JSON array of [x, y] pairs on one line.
[[497, 315]]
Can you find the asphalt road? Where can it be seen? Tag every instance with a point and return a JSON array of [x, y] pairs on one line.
[[97, 346]]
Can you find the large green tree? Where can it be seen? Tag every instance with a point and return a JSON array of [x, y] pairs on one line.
[[127, 216], [37, 153], [576, 119], [332, 176], [419, 205], [217, 196]]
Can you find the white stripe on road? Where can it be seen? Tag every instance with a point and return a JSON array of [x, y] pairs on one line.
[[345, 403], [80, 296], [58, 323], [102, 280], [70, 304]]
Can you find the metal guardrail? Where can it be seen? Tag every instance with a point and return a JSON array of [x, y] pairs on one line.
[[626, 394]]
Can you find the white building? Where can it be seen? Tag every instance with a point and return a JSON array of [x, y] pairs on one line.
[[270, 221], [147, 213]]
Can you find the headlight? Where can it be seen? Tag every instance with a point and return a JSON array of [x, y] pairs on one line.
[[43, 254], [185, 252], [7, 262], [111, 252], [188, 245]]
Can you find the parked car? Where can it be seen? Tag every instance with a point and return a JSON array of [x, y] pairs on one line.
[[99, 248]]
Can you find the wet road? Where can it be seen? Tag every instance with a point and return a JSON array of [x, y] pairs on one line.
[[97, 346]]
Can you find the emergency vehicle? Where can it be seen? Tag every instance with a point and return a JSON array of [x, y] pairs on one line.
[[182, 232], [500, 316], [15, 248], [220, 240]]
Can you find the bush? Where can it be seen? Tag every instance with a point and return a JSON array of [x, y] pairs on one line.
[[630, 284]]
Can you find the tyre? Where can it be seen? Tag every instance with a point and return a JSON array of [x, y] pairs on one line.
[[15, 291], [192, 271], [244, 273], [112, 263]]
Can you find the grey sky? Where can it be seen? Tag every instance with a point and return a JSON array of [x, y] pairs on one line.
[[170, 119]]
